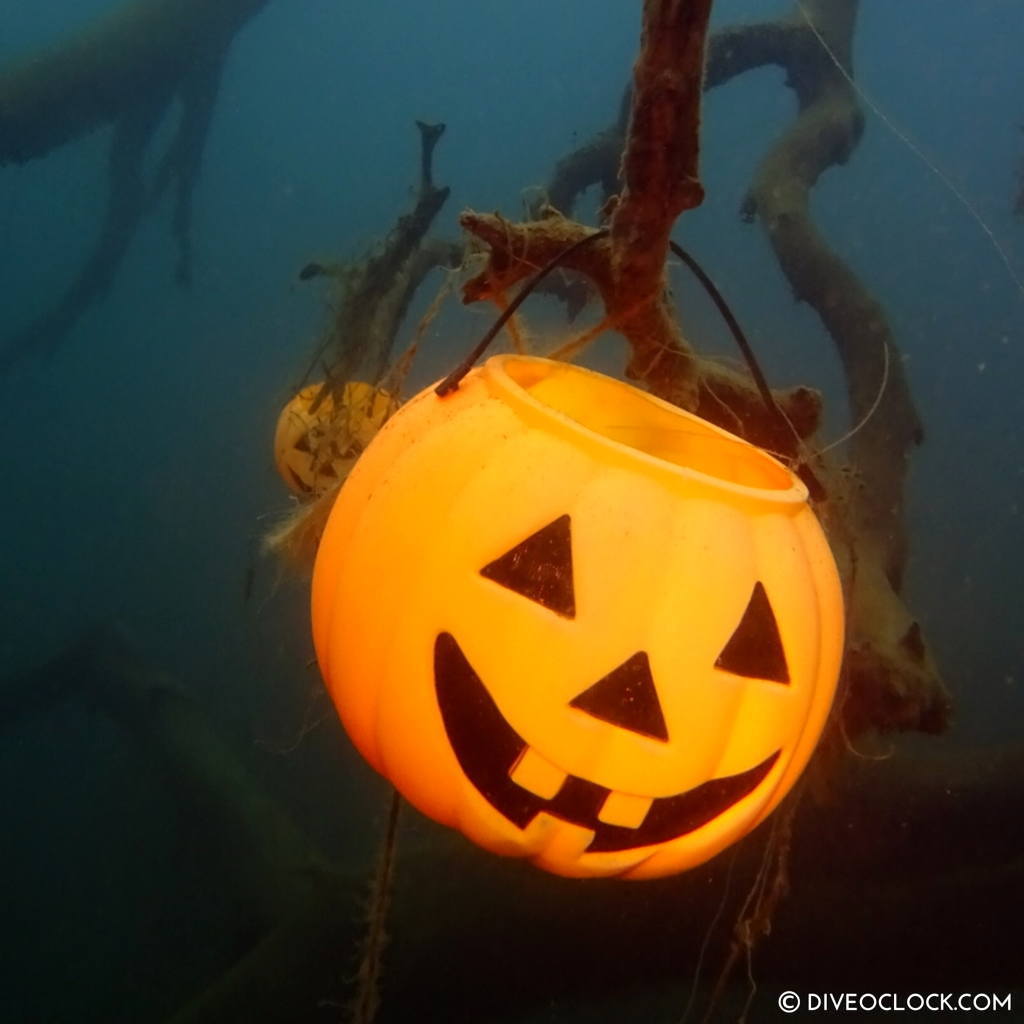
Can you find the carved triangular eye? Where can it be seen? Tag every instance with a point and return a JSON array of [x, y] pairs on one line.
[[626, 697], [299, 482], [540, 568], [755, 648]]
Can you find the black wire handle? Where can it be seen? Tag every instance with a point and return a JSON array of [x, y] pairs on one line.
[[803, 470], [733, 324], [452, 381]]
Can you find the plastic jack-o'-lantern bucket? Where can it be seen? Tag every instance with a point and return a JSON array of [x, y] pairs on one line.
[[576, 623], [313, 450]]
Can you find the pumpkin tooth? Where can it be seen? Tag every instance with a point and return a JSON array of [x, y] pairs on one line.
[[537, 774], [625, 809]]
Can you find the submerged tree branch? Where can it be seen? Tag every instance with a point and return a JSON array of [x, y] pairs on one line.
[[892, 679], [126, 69], [374, 293]]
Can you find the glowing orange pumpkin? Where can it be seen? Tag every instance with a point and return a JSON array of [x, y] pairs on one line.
[[314, 450], [575, 622]]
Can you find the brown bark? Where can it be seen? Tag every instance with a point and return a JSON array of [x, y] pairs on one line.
[[659, 171]]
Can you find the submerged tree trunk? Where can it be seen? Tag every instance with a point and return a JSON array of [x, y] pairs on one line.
[[891, 681]]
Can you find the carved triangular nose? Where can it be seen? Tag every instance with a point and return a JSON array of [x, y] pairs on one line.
[[626, 697]]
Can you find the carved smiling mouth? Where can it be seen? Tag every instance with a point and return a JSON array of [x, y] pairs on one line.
[[488, 750]]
